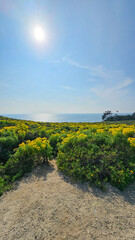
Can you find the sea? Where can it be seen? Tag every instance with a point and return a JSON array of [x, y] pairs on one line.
[[47, 117]]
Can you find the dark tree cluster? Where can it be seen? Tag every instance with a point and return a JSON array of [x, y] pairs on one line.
[[109, 116]]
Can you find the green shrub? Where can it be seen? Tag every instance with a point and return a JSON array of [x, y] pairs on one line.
[[7, 144], [43, 133], [28, 155], [55, 140], [97, 158], [4, 179], [2, 185], [30, 135]]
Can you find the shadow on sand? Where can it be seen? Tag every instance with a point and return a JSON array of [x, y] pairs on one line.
[[40, 171], [111, 192]]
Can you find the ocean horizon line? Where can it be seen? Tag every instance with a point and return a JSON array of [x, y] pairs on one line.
[[59, 117]]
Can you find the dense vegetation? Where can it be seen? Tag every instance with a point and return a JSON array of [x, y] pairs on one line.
[[93, 152], [109, 116]]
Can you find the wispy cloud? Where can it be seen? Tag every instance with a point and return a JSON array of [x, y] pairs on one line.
[[66, 57], [116, 91], [76, 64], [111, 76], [109, 87], [69, 61], [125, 83], [97, 71]]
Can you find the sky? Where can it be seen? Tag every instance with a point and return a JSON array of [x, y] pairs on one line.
[[84, 65]]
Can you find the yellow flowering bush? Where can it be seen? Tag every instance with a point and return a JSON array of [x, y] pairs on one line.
[[97, 158], [27, 155], [129, 131], [96, 152], [55, 140], [132, 141]]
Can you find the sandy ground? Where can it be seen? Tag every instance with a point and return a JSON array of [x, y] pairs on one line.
[[46, 205]]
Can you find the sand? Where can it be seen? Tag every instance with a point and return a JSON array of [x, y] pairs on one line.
[[46, 205]]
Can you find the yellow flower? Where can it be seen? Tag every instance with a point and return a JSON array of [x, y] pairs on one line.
[[131, 171], [122, 171], [100, 130], [22, 144], [118, 180], [132, 141], [91, 175]]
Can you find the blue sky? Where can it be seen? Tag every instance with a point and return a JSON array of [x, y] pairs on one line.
[[85, 66]]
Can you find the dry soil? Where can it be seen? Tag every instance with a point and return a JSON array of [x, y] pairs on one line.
[[45, 205]]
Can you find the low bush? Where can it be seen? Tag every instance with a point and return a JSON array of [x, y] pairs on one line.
[[97, 158], [27, 156], [7, 144], [55, 141], [93, 152]]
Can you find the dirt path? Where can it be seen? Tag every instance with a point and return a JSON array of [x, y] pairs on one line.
[[46, 206]]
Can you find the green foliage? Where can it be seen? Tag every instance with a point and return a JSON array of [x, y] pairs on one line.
[[97, 159], [28, 155], [55, 140], [93, 152], [106, 115], [7, 144], [4, 186], [31, 135]]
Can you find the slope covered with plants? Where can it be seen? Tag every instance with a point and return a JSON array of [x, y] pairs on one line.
[[92, 152]]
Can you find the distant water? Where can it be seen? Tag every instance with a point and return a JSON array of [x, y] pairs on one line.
[[79, 117]]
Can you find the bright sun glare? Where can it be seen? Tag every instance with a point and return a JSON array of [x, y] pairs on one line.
[[39, 34]]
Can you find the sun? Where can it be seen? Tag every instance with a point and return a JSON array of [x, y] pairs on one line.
[[39, 34]]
